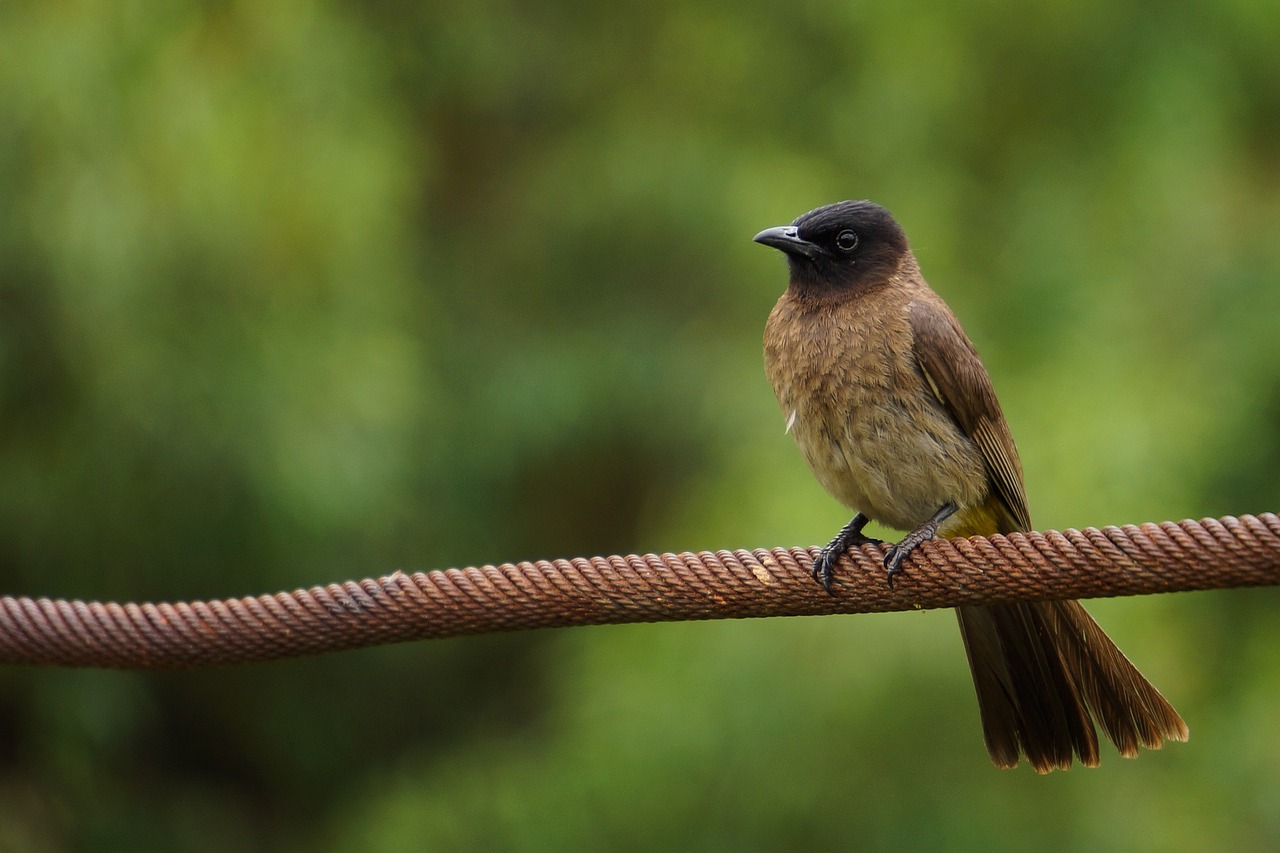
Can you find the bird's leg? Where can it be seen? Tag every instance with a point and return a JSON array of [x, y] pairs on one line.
[[850, 536], [893, 560]]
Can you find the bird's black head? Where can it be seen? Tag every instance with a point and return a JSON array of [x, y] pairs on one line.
[[842, 245]]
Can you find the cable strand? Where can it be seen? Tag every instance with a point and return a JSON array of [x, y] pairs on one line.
[[617, 589]]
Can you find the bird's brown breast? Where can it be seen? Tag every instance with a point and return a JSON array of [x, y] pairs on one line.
[[871, 430]]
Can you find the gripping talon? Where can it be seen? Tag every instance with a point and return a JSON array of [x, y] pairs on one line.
[[850, 536], [898, 553]]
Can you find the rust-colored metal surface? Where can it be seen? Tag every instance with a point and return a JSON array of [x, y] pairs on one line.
[[1090, 563]]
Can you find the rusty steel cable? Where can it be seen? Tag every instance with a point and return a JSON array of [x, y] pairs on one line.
[[1090, 563]]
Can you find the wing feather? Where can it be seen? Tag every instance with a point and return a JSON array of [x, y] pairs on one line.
[[957, 378]]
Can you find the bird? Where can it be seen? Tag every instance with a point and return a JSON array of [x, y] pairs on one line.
[[897, 418]]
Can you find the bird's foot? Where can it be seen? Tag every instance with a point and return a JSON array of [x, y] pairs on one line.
[[850, 536], [898, 554]]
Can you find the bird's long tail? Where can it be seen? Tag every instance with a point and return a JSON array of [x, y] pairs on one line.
[[1045, 673]]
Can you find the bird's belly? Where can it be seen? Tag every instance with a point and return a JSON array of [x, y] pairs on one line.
[[896, 463]]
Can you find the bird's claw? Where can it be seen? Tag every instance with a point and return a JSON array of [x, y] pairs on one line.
[[897, 555], [894, 559], [824, 568]]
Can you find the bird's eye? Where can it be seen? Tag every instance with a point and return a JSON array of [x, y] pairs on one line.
[[847, 241]]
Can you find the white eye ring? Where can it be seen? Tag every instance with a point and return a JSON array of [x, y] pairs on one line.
[[847, 241]]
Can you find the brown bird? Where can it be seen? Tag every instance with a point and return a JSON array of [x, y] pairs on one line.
[[896, 416]]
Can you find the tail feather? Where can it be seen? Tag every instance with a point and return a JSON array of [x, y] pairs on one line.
[[1130, 710], [1044, 672]]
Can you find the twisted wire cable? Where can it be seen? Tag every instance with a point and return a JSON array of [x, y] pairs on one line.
[[1089, 563]]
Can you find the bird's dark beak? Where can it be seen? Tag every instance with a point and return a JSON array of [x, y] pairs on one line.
[[786, 238]]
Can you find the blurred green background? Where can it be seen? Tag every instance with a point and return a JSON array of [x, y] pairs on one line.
[[293, 292]]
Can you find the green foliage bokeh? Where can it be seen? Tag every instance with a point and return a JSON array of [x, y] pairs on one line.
[[298, 291]]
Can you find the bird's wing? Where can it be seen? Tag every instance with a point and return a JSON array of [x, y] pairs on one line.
[[953, 370]]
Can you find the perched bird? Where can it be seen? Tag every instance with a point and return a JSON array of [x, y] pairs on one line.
[[896, 416]]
